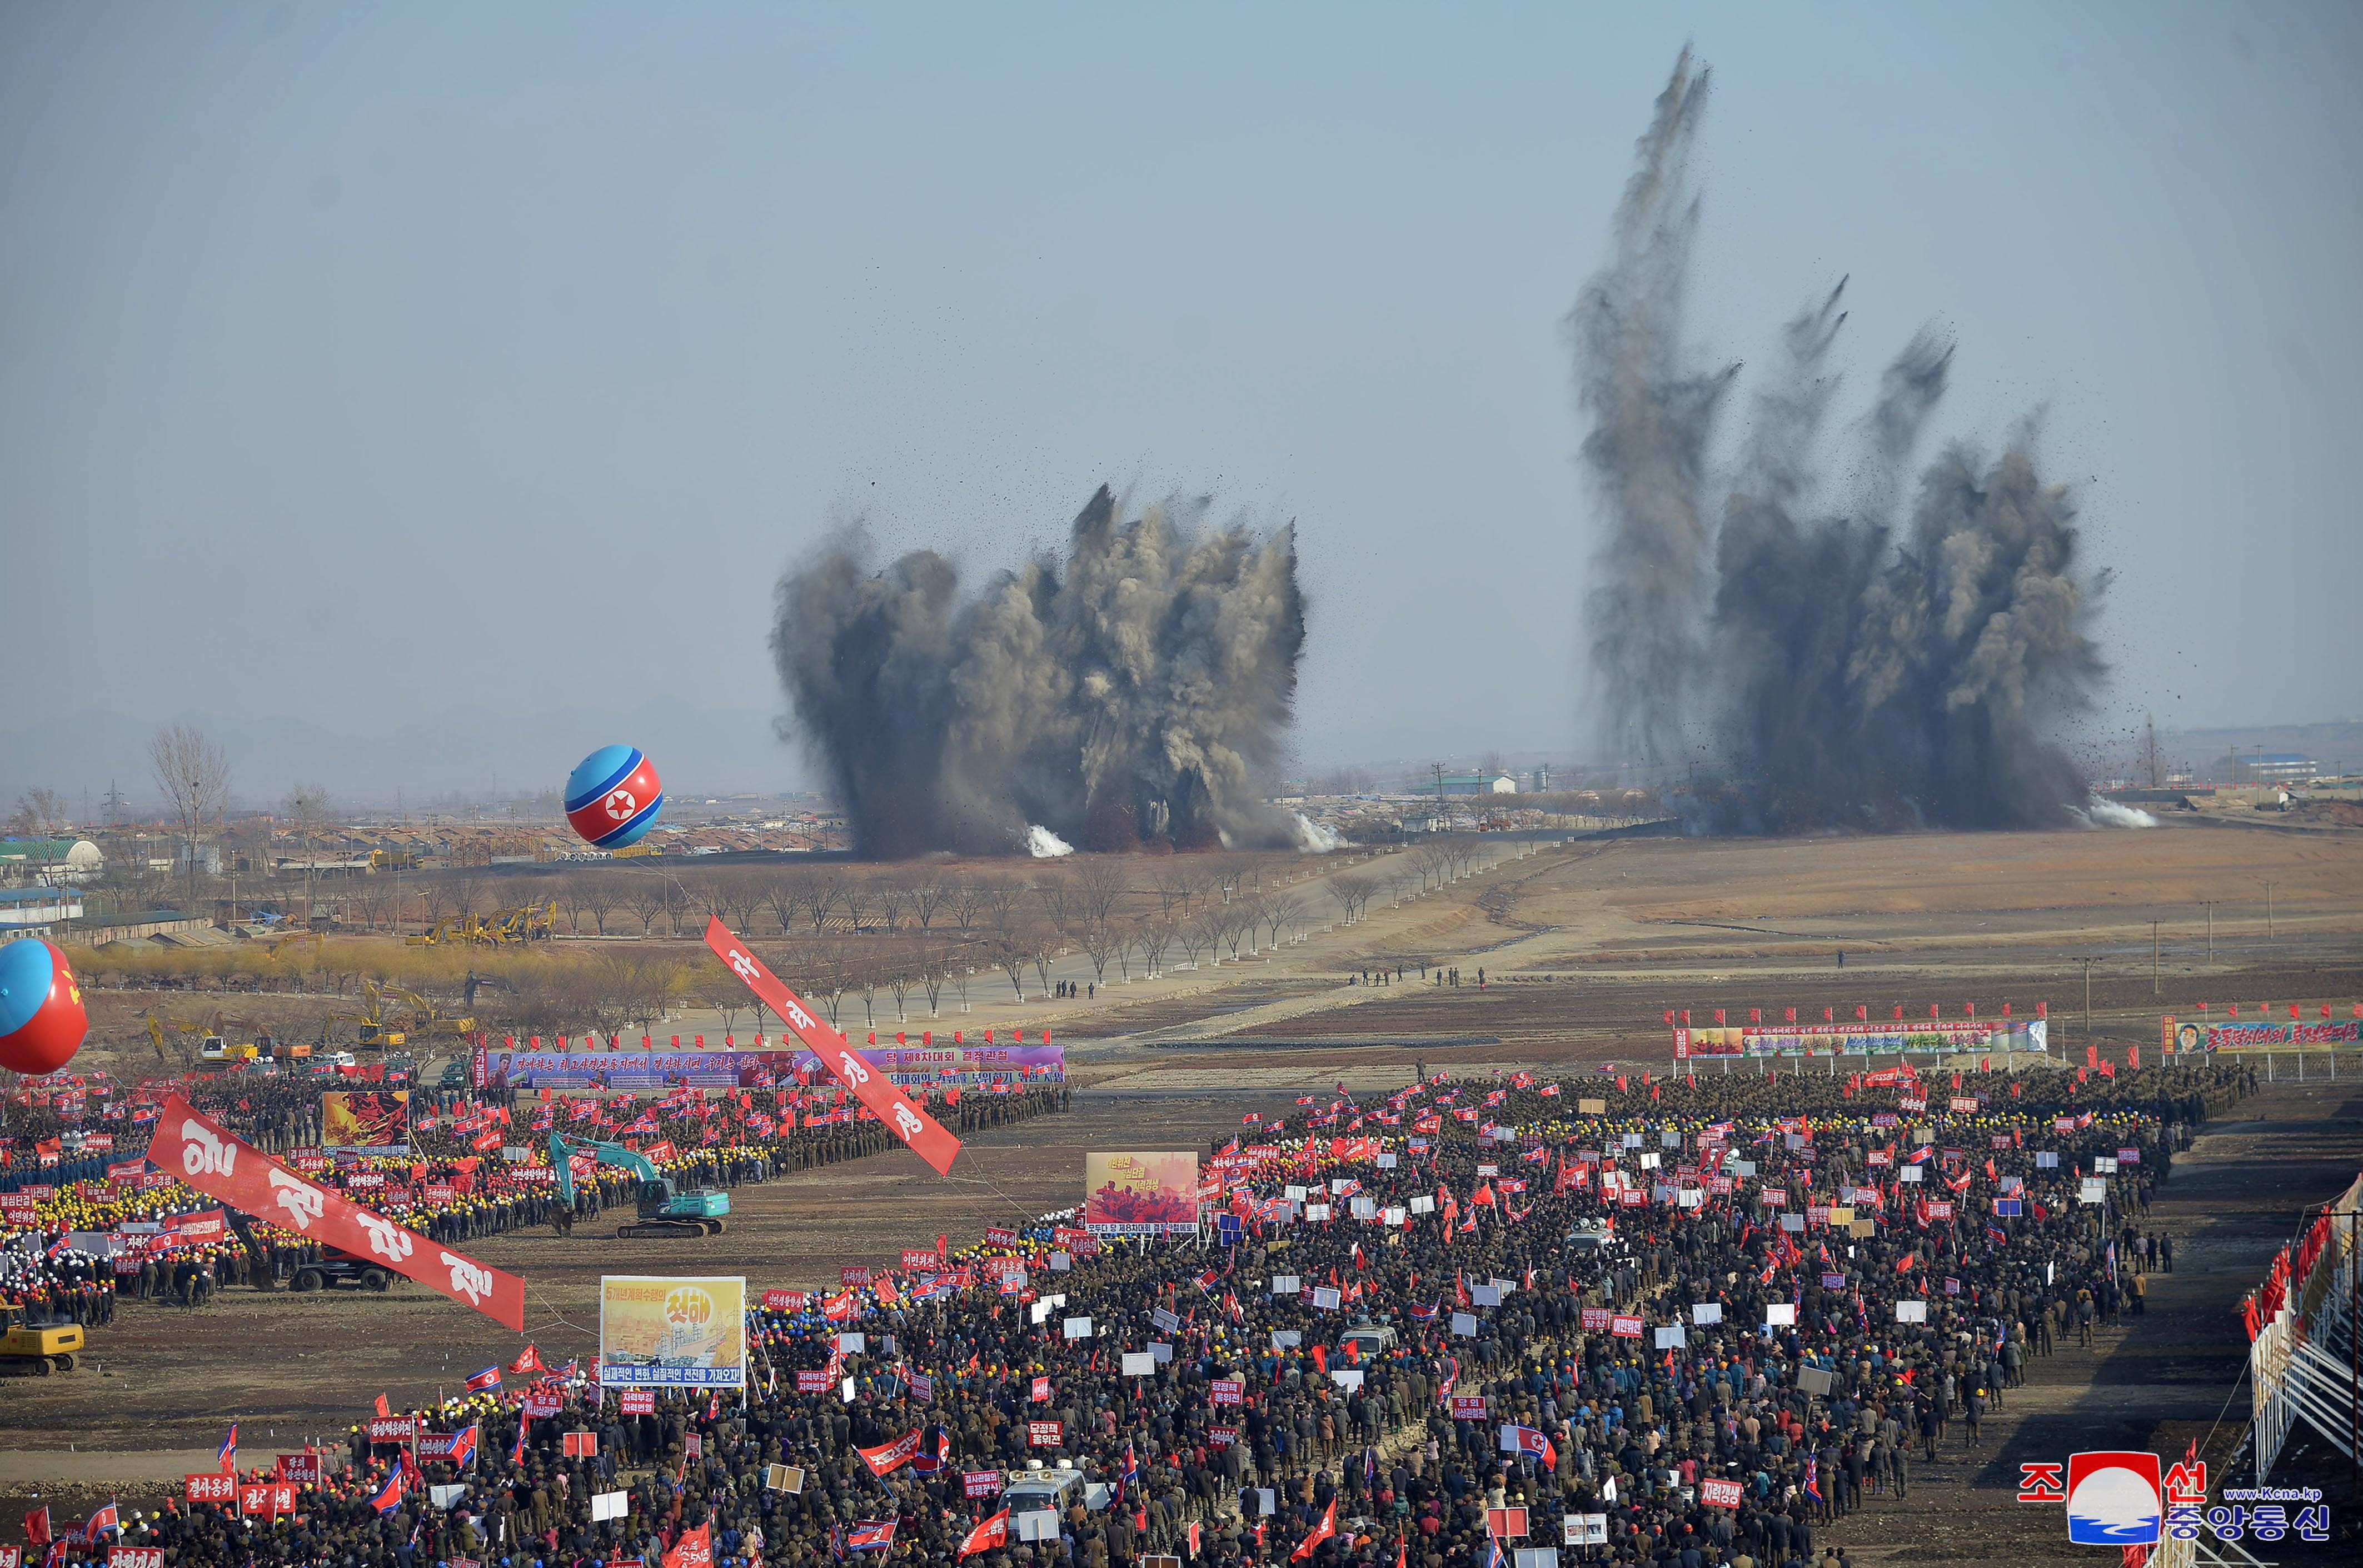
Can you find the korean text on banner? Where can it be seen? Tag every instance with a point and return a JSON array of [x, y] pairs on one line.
[[661, 1332], [924, 1136], [219, 1165], [1141, 1194]]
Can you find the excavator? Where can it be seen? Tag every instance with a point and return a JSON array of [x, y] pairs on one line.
[[524, 923], [382, 1025], [664, 1210]]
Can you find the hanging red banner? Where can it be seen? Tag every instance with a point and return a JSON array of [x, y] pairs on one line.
[[923, 1136], [221, 1164]]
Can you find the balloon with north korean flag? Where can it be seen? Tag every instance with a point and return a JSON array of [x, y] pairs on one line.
[[613, 797], [42, 1022]]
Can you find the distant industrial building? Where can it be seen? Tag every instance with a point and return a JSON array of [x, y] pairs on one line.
[[51, 861], [36, 911], [1478, 784], [2280, 767]]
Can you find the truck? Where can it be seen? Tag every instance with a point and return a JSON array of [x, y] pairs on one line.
[[29, 1352], [664, 1209]]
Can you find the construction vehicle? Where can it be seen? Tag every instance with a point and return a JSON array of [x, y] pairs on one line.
[[525, 923], [382, 1025], [29, 1352], [664, 1209]]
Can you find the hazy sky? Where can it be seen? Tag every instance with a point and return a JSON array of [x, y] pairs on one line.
[[356, 363]]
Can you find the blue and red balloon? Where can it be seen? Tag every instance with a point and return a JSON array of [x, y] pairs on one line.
[[41, 1019], [613, 797]]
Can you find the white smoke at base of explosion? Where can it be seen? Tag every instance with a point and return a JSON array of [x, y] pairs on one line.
[[2098, 812], [1316, 838], [1043, 844]]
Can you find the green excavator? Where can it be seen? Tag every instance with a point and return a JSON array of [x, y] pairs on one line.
[[664, 1209]]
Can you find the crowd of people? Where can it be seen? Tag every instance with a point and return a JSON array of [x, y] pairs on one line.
[[77, 1232], [1701, 1321]]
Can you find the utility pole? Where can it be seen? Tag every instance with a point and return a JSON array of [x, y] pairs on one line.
[[2153, 958], [2087, 963], [1440, 818], [2269, 912], [2211, 931]]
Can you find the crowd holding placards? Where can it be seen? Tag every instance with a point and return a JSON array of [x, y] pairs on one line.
[[1808, 1282], [83, 1217]]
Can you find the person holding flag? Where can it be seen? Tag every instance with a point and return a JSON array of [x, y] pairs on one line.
[[226, 1456], [1320, 1533], [994, 1532]]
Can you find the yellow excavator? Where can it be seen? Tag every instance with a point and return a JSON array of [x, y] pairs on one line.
[[382, 1024], [526, 922], [211, 1041]]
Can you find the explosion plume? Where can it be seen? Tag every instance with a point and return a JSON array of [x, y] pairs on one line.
[[1125, 697], [1887, 665]]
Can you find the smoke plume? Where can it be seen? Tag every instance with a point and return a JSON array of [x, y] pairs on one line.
[[1890, 664], [1127, 696]]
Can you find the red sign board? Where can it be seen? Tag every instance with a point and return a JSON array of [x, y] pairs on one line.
[[639, 1402], [811, 1382], [1506, 1524], [1044, 1434], [784, 1300], [300, 1469], [1468, 1407], [542, 1403], [1595, 1319], [580, 1445], [269, 1498], [1624, 1327], [853, 1274], [980, 1482], [391, 1429], [920, 1257], [210, 1486], [125, 1557], [1719, 1493], [1226, 1391]]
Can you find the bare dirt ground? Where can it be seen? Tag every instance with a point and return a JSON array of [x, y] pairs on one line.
[[1584, 947]]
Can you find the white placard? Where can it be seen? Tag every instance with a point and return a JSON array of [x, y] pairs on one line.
[[853, 1344], [1651, 1160], [1267, 1501], [1386, 1162], [1076, 1327], [446, 1497], [1159, 1352], [1706, 1312], [1286, 1285], [1909, 1174], [1140, 1364], [1060, 1263], [2094, 1190], [1294, 1193], [1286, 1339], [1911, 1311], [1347, 1378], [1587, 1529], [2046, 1160], [1793, 1222], [1672, 1336], [1395, 1215], [1486, 1296], [1632, 1140], [1317, 1211], [1465, 1324], [1669, 1139], [1339, 1183], [1423, 1204], [1537, 1557], [1779, 1314], [1326, 1300], [1041, 1525], [609, 1505]]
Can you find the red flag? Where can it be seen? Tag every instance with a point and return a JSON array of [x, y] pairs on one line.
[[1321, 1532], [529, 1361], [991, 1533], [693, 1549], [381, 1408], [889, 1457], [36, 1521]]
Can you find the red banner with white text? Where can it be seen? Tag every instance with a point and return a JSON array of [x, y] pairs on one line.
[[220, 1165], [925, 1136]]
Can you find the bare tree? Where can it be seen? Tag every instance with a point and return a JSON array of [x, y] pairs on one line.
[[1278, 910], [646, 894], [1175, 886], [1100, 884], [1202, 931], [1156, 937], [822, 894], [465, 893], [1009, 950], [677, 904], [601, 895], [932, 963], [928, 894], [965, 900], [1057, 893], [783, 895], [1239, 921], [194, 774], [1352, 893], [40, 813], [894, 895], [1100, 940]]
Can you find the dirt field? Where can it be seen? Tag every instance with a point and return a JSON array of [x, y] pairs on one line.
[[1584, 947]]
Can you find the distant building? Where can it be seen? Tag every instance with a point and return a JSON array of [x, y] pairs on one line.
[[2280, 767], [36, 911], [49, 860], [1479, 784]]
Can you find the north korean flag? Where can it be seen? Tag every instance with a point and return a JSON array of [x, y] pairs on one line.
[[872, 1535], [488, 1378], [390, 1498]]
